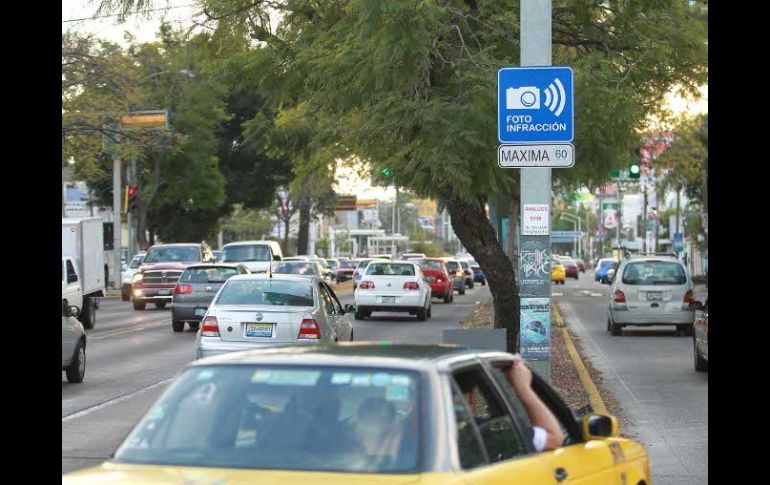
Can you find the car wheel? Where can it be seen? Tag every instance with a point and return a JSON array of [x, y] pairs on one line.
[[358, 315], [139, 305], [177, 325], [125, 296], [470, 285], [429, 311], [194, 326], [484, 282], [701, 364], [77, 369], [88, 313], [160, 305], [609, 324], [448, 298], [422, 315], [617, 329], [462, 291]]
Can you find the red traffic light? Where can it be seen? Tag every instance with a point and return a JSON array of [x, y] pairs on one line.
[[132, 191]]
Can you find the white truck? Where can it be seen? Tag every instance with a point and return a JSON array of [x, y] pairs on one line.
[[82, 265]]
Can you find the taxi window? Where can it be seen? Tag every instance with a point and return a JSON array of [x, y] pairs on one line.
[[495, 424]]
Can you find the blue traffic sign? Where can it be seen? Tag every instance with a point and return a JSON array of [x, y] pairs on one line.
[[535, 104]]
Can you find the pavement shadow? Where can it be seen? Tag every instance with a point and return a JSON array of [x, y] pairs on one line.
[[409, 318], [650, 333]]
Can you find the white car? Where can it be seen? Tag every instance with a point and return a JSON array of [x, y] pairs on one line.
[[73, 345], [393, 286], [257, 256], [128, 275], [651, 290], [259, 310]]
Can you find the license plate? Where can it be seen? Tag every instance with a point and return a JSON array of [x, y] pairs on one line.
[[164, 292], [431, 279], [388, 299], [654, 296], [259, 329], [199, 312]]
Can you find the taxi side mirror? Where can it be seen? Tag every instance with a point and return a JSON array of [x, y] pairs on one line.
[[599, 426]]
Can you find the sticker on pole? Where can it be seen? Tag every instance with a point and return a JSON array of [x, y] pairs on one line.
[[560, 155], [535, 219], [535, 104]]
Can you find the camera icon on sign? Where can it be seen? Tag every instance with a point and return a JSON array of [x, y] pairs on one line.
[[525, 97]]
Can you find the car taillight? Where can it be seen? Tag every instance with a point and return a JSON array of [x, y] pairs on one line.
[[439, 280], [366, 285], [688, 297], [619, 297], [210, 327], [411, 285], [309, 330], [459, 273], [183, 289]]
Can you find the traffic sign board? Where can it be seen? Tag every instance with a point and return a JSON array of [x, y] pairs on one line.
[[553, 155], [535, 104], [572, 234]]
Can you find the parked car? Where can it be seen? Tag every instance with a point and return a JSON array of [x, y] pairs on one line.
[[365, 414], [163, 264], [257, 256], [602, 267], [571, 269], [700, 338], [456, 271], [345, 270], [128, 275], [558, 273], [467, 273], [393, 286], [581, 265], [73, 344], [196, 288], [651, 290], [479, 276], [438, 277], [261, 310]]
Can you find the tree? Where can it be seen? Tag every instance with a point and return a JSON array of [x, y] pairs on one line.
[[411, 85]]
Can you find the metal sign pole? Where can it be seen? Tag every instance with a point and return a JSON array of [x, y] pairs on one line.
[[535, 27]]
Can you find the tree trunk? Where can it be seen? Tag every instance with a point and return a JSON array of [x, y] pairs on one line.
[[286, 223], [152, 236], [471, 224], [304, 227]]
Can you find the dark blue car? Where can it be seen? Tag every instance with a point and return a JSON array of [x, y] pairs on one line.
[[478, 273], [602, 267]]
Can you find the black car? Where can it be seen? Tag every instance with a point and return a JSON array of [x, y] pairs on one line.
[[195, 290]]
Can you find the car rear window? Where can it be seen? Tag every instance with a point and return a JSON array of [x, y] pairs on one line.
[[169, 254], [207, 275], [432, 265], [266, 292], [452, 265], [654, 273], [390, 269], [464, 264], [246, 252], [319, 418], [347, 264], [295, 268]]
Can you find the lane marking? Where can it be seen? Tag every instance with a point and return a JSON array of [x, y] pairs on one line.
[[132, 329], [116, 400]]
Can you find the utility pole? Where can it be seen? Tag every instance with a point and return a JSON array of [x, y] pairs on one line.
[[116, 205], [644, 221]]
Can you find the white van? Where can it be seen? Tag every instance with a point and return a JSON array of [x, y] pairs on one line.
[[257, 256]]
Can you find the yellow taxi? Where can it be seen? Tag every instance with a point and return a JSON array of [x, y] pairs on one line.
[[558, 272], [360, 413]]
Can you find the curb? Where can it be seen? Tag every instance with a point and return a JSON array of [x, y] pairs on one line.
[[594, 396], [347, 285]]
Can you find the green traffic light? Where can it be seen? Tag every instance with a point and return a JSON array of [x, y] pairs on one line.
[[634, 170], [386, 172]]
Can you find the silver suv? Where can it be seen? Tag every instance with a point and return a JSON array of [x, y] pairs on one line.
[[651, 290]]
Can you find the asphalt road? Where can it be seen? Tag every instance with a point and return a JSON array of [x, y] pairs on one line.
[[650, 372], [132, 356]]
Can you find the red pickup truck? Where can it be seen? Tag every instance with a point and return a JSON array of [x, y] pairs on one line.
[[160, 271]]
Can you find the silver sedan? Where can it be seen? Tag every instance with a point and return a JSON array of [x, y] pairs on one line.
[[73, 345], [260, 310]]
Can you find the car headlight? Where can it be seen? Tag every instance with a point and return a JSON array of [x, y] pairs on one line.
[[138, 277]]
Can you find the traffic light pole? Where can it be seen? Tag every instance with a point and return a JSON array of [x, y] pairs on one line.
[[116, 205], [535, 28]]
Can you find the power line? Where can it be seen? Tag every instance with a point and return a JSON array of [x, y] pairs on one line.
[[135, 13]]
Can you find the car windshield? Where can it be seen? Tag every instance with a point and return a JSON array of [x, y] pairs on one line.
[[390, 269], [188, 254], [207, 275], [347, 264], [341, 419], [297, 267], [246, 252], [266, 292], [136, 262], [432, 265], [654, 273]]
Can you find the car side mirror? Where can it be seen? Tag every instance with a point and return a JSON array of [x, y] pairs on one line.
[[599, 426], [73, 311], [350, 308], [696, 305]]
